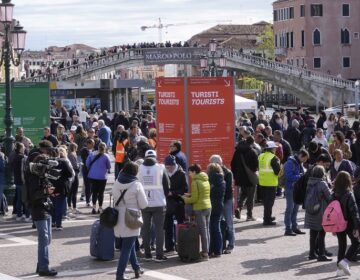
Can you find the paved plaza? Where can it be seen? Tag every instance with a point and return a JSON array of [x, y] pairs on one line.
[[260, 252]]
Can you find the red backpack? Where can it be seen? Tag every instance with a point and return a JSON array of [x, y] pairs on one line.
[[333, 219]]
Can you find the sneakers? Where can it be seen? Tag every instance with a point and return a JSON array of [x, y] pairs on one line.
[[289, 233], [160, 259], [272, 223], [344, 265], [148, 258], [228, 250], [50, 272], [250, 219], [340, 273], [59, 228], [19, 219], [298, 231], [139, 272], [28, 220], [204, 256], [323, 259], [76, 211]]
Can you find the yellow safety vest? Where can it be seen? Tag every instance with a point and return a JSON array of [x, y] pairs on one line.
[[267, 177]]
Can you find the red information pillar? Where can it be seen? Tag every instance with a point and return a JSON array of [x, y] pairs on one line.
[[170, 118], [211, 106]]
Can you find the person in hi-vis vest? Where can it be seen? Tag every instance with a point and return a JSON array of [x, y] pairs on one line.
[[269, 168], [121, 157], [155, 180]]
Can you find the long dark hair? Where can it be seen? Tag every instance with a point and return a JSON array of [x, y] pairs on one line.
[[342, 182]]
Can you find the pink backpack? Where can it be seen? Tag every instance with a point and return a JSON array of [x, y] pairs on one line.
[[333, 219]]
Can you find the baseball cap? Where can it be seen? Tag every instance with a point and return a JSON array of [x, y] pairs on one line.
[[73, 128], [95, 124], [150, 153], [271, 145]]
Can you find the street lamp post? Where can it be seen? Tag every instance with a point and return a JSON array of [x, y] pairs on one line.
[[357, 84], [13, 44], [212, 69]]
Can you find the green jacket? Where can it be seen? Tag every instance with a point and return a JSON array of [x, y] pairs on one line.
[[200, 192]]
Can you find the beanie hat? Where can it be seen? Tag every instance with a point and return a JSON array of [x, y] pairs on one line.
[[170, 160]]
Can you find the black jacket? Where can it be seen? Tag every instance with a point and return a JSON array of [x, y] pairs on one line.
[[286, 150], [62, 185], [178, 186], [17, 165], [52, 139], [228, 177], [314, 156], [237, 168], [349, 209], [217, 192], [293, 136], [357, 195]]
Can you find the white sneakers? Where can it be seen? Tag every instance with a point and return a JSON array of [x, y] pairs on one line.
[[344, 266], [340, 273]]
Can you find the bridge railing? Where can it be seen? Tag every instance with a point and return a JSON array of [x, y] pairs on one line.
[[231, 55], [289, 69]]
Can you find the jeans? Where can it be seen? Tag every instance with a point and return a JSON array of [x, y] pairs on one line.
[[247, 193], [127, 253], [43, 228], [269, 194], [229, 218], [157, 215], [20, 207], [290, 211], [350, 253], [98, 188], [202, 219], [179, 214], [317, 239], [59, 203], [216, 241]]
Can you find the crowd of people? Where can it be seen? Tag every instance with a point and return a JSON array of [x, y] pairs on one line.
[[271, 156]]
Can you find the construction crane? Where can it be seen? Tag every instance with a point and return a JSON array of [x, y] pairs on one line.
[[160, 26]]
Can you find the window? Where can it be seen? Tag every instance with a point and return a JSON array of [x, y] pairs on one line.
[[317, 62], [297, 62], [346, 10], [291, 12], [291, 39], [275, 15], [302, 10], [356, 35], [316, 37], [302, 38], [316, 10], [287, 40], [346, 62], [345, 36], [276, 40]]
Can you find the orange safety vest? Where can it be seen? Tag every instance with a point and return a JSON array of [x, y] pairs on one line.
[[120, 151]]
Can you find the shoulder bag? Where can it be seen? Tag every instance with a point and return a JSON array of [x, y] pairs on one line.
[[133, 218], [109, 217], [92, 162]]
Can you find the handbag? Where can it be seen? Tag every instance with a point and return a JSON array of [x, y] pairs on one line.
[[252, 177], [133, 218], [109, 217]]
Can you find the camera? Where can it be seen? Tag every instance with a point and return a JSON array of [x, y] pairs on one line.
[[46, 169]]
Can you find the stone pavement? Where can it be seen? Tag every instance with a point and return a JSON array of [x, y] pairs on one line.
[[260, 252]]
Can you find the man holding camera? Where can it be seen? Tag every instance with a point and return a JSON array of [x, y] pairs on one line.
[[38, 190]]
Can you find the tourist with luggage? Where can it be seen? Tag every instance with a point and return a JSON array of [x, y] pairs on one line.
[[317, 198], [134, 198], [217, 192], [199, 198], [174, 203]]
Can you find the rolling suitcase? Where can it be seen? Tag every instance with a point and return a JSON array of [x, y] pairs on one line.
[[188, 245], [102, 241]]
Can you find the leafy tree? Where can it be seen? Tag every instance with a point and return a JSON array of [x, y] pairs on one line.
[[266, 44]]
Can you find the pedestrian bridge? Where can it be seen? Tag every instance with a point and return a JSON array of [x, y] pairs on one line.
[[308, 85]]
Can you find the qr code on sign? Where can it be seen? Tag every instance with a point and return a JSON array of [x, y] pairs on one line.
[[195, 129], [161, 127]]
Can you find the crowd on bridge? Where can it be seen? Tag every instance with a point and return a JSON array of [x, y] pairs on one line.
[[312, 163]]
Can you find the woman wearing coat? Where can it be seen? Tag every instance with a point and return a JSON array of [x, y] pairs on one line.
[[134, 198], [317, 184], [340, 164]]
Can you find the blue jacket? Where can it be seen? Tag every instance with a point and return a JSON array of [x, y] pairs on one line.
[[99, 169], [293, 171], [104, 134], [345, 165]]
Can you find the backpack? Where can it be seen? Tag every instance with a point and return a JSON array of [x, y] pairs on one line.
[[333, 219], [312, 201], [299, 190], [281, 177]]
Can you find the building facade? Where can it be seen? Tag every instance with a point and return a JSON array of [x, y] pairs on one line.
[[322, 35]]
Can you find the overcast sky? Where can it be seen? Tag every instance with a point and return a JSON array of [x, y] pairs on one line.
[[111, 22]]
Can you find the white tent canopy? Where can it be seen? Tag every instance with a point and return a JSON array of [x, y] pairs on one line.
[[246, 105]]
